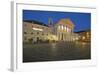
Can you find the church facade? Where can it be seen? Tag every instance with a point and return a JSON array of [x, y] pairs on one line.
[[64, 30]]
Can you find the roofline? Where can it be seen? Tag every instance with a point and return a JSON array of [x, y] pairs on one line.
[[37, 22], [82, 31]]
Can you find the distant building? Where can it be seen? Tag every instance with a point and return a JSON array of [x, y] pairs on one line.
[[34, 31], [84, 35]]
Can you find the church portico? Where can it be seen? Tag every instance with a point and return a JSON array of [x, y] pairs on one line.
[[64, 29]]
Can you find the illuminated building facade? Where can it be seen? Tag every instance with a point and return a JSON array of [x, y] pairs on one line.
[[34, 31], [64, 30], [85, 36]]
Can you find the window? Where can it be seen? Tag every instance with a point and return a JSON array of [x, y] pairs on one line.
[[42, 27], [83, 38], [31, 32], [42, 33], [25, 38], [25, 32], [25, 25], [37, 32]]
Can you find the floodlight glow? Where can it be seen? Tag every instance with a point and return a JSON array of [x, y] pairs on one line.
[[38, 29], [62, 27]]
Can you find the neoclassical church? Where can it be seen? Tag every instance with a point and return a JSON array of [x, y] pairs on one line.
[[36, 31], [64, 29]]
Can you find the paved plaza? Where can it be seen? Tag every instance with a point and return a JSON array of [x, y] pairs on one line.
[[59, 51]]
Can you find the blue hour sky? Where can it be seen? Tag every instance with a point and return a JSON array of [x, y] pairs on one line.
[[82, 21]]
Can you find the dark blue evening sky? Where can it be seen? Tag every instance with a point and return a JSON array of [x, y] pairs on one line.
[[82, 21]]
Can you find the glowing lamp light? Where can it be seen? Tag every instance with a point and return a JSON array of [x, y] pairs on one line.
[[83, 37], [77, 38], [37, 29]]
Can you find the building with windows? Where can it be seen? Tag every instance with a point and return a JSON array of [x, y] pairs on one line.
[[85, 36], [34, 31]]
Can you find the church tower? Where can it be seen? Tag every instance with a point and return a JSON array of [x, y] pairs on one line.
[[50, 21]]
